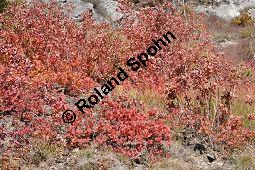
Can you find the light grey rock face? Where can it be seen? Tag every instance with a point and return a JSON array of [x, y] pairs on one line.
[[241, 4], [224, 11], [81, 6], [109, 7], [252, 12], [103, 10], [228, 9]]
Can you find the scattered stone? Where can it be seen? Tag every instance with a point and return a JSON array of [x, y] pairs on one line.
[[140, 167], [228, 44], [210, 158], [199, 147]]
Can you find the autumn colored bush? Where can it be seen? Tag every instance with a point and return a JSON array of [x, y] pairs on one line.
[[122, 127], [47, 61], [243, 19]]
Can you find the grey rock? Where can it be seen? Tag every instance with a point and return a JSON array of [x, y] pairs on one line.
[[140, 167], [252, 12], [228, 9], [106, 10], [80, 7], [114, 163], [244, 4], [228, 44], [102, 10]]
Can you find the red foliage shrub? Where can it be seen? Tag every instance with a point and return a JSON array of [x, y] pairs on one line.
[[45, 59], [238, 134], [123, 128]]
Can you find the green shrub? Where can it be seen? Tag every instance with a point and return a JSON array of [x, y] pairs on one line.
[[245, 34], [3, 5], [248, 73], [221, 37]]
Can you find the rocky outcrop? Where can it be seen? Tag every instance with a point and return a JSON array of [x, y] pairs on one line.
[[252, 12], [228, 9], [103, 10], [106, 10]]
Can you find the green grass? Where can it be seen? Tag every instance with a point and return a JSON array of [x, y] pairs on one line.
[[246, 163], [148, 97], [86, 153], [221, 37], [241, 108], [246, 33]]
